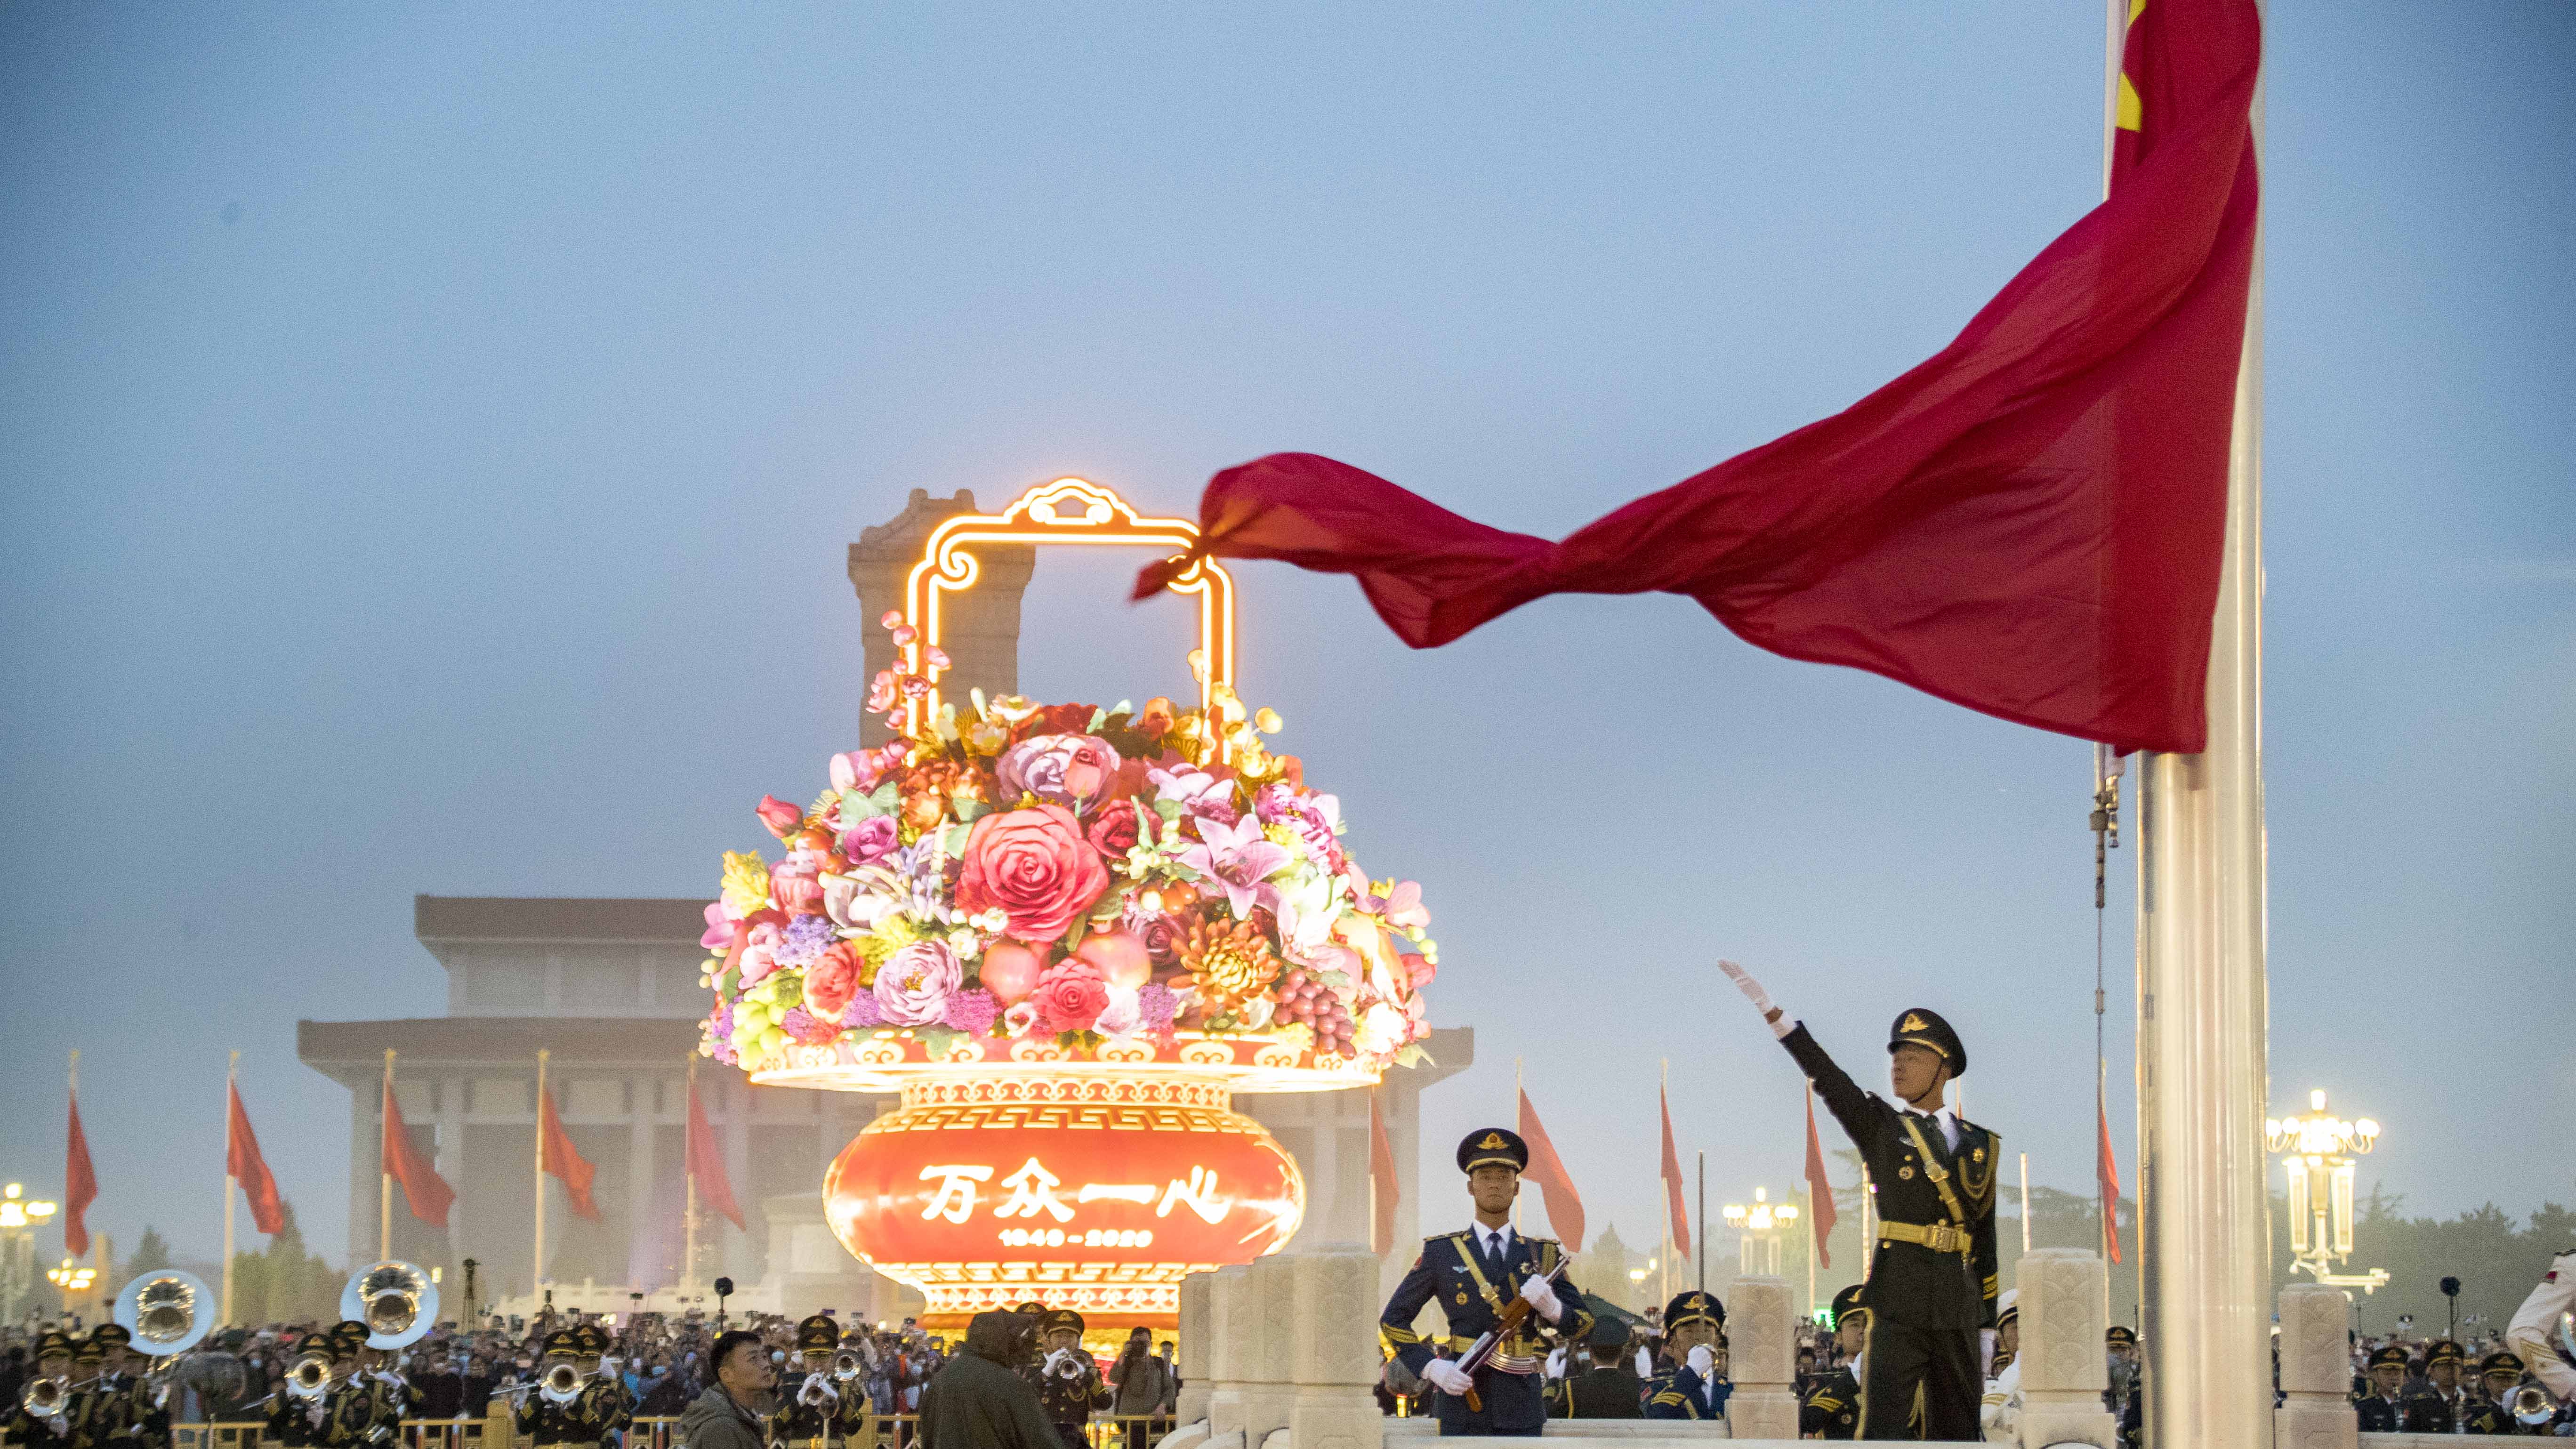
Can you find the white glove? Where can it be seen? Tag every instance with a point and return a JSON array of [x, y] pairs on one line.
[[1542, 1300], [1760, 998], [1445, 1375], [1986, 1340], [1702, 1359], [1645, 1363], [1556, 1363]]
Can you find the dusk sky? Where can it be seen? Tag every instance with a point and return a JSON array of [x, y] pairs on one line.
[[433, 435]]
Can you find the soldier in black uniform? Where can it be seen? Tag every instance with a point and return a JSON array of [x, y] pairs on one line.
[[1069, 1381], [1689, 1385], [54, 1360], [1032, 1343], [2381, 1411], [2120, 1359], [605, 1405], [540, 1419], [1932, 1279], [1832, 1408], [2435, 1408], [118, 1417], [1610, 1389], [2501, 1373], [844, 1404], [1474, 1274]]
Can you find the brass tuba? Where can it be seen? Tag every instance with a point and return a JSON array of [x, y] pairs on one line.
[[167, 1311], [394, 1299]]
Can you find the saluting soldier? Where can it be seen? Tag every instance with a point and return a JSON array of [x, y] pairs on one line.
[[1932, 1279], [55, 1355], [2436, 1407], [1832, 1408], [1610, 1388], [1474, 1274], [844, 1406], [1069, 1381], [1690, 1386], [2501, 1373]]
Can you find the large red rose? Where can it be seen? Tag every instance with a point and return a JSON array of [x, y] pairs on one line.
[[831, 981], [1035, 867], [1070, 996], [1115, 828]]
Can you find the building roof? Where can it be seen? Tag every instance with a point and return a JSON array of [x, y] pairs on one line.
[[442, 920], [354, 1051]]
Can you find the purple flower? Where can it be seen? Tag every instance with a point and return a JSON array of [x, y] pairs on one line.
[[1069, 770], [1156, 1005], [1199, 793], [972, 1012], [870, 840], [914, 984], [805, 1027], [1311, 816], [1235, 859], [805, 938], [862, 1012]]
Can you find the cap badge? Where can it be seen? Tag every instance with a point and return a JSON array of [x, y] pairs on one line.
[[1493, 1142], [1913, 1022]]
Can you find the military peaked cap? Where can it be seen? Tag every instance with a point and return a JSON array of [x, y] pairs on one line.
[[1848, 1302], [2122, 1335], [2443, 1351], [1060, 1318], [1694, 1306], [816, 1332], [111, 1335], [2008, 1307], [1924, 1027], [1491, 1145], [2388, 1356], [2500, 1363], [53, 1343]]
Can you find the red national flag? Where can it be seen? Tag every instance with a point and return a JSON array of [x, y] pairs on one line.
[[1382, 1186], [555, 1153], [1820, 1193], [1555, 1185], [2107, 1170], [427, 1193], [244, 1165], [706, 1161], [2028, 523], [1674, 1214], [80, 1185]]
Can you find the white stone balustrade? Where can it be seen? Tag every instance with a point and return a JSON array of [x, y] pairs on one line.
[[2316, 1371], [1285, 1343], [1762, 1355], [2063, 1371]]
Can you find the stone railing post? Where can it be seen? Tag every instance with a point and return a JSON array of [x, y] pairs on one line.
[[1233, 1322], [1197, 1348], [2063, 1371], [1762, 1354], [1333, 1311], [2316, 1370], [1267, 1376]]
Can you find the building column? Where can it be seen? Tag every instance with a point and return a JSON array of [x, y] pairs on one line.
[[643, 1240]]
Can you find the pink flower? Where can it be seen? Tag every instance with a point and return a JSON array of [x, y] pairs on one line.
[[781, 816], [1020, 1019], [1121, 1016], [831, 981], [1033, 866], [1200, 793], [1116, 827], [1311, 816], [1070, 996], [1236, 860], [1067, 769], [860, 770], [719, 936], [796, 883], [1401, 906], [881, 692], [914, 984], [870, 840]]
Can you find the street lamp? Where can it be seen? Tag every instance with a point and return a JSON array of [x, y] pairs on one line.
[[20, 1217], [1759, 1222], [2317, 1154], [72, 1278]]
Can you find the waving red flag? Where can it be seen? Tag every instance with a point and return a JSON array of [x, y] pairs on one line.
[[706, 1161], [1555, 1184], [244, 1165], [2028, 523], [1820, 1192], [558, 1156], [1383, 1193], [1674, 1214], [80, 1184], [427, 1193]]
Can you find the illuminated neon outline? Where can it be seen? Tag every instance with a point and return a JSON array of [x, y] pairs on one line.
[[1040, 516]]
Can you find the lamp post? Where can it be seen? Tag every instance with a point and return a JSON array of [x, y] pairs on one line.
[[2317, 1153], [72, 1279], [1759, 1223], [20, 1217]]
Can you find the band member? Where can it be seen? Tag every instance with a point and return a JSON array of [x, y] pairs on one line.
[[390, 1397], [53, 1429], [540, 1419], [2000, 1414], [1033, 1343], [1069, 1381], [1610, 1388], [1692, 1384], [2542, 1333], [821, 1406], [605, 1404], [2437, 1406], [1932, 1279], [1474, 1275], [2380, 1410], [1832, 1409], [2502, 1374], [2120, 1354]]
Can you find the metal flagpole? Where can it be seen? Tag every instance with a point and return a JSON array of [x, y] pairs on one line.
[[2204, 1251], [2025, 1208], [689, 1213], [1702, 1229], [385, 1166], [1664, 1258], [1810, 1246], [540, 1254], [232, 1187]]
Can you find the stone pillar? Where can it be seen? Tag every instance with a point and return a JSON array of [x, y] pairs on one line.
[[2316, 1370], [1268, 1373], [2063, 1372], [980, 628], [1196, 1349], [1233, 1341], [1332, 1311], [1763, 1355]]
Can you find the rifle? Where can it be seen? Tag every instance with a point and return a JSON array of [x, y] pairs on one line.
[[1514, 1314]]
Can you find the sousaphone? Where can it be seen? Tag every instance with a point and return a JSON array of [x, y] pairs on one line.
[[394, 1299], [167, 1311]]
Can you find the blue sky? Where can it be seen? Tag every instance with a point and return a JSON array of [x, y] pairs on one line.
[[433, 434]]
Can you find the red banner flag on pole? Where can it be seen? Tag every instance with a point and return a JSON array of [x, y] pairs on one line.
[[561, 1160], [1555, 1185], [2108, 1170], [423, 1189], [1672, 1180], [1820, 1192], [243, 1163], [706, 1161], [2028, 523], [80, 1180], [1383, 1193]]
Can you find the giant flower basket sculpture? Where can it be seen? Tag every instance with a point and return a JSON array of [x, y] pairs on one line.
[[1066, 933]]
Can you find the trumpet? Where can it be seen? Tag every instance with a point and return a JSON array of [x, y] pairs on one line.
[[46, 1398], [560, 1384], [2531, 1404], [310, 1375], [847, 1365], [818, 1392]]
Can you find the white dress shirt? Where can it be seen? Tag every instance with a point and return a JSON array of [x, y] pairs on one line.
[[1945, 1119]]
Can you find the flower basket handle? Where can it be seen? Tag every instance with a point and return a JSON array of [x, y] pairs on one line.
[[1068, 510]]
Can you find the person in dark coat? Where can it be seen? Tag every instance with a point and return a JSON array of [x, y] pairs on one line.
[[1610, 1389], [979, 1401], [727, 1415]]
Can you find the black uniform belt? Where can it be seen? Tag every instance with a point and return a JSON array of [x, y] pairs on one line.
[[1939, 1237]]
